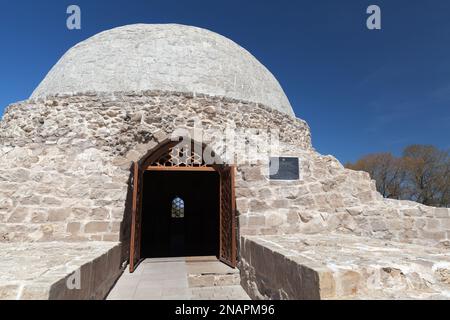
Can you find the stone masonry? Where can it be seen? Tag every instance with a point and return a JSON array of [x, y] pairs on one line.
[[41, 271], [66, 168], [67, 159], [336, 266], [65, 192]]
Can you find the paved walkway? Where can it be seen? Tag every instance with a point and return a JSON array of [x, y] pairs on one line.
[[201, 278]]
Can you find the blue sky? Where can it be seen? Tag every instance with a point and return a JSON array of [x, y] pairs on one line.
[[361, 91]]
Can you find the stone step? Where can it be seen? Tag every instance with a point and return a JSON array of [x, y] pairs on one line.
[[338, 266], [213, 280], [209, 272]]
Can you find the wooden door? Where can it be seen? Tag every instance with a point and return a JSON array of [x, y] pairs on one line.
[[136, 217], [228, 250]]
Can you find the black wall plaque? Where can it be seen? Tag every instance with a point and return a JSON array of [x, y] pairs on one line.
[[288, 169]]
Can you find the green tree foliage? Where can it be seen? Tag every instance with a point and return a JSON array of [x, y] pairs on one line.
[[421, 174]]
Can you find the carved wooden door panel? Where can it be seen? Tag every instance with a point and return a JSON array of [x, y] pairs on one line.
[[228, 250], [136, 217]]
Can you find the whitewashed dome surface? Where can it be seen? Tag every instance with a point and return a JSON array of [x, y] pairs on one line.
[[167, 57]]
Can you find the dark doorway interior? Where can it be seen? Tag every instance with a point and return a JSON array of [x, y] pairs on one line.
[[180, 214]]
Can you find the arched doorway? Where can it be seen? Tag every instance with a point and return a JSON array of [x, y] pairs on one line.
[[171, 161]]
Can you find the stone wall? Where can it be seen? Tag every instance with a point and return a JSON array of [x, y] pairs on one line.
[[51, 192], [329, 198], [65, 170], [65, 161]]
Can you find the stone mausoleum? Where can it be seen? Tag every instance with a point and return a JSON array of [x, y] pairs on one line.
[[92, 181]]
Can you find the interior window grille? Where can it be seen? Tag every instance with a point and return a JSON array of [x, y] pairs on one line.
[[177, 208]]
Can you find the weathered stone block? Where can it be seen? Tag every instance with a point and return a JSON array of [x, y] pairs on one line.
[[242, 192], [242, 205], [378, 225], [73, 227], [442, 213], [305, 201], [112, 237], [249, 231], [256, 220], [9, 292], [355, 211], [419, 223], [80, 213], [265, 193], [6, 204], [445, 223], [366, 196], [19, 215], [327, 285], [117, 213], [372, 213], [412, 212], [293, 216], [51, 201], [280, 204], [115, 226], [159, 136], [99, 214], [305, 216], [78, 191], [316, 225], [60, 214], [96, 226], [349, 283], [35, 292], [258, 205], [253, 174], [269, 231], [433, 235], [433, 224], [31, 200], [113, 195], [274, 220]]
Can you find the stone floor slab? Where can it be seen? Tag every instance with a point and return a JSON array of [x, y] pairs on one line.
[[168, 279]]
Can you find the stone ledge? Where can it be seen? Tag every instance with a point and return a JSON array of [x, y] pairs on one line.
[[40, 271], [300, 267]]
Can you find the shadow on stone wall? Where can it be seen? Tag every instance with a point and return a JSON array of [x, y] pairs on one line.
[[125, 227]]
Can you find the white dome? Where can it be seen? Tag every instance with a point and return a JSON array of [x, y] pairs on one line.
[[165, 57]]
